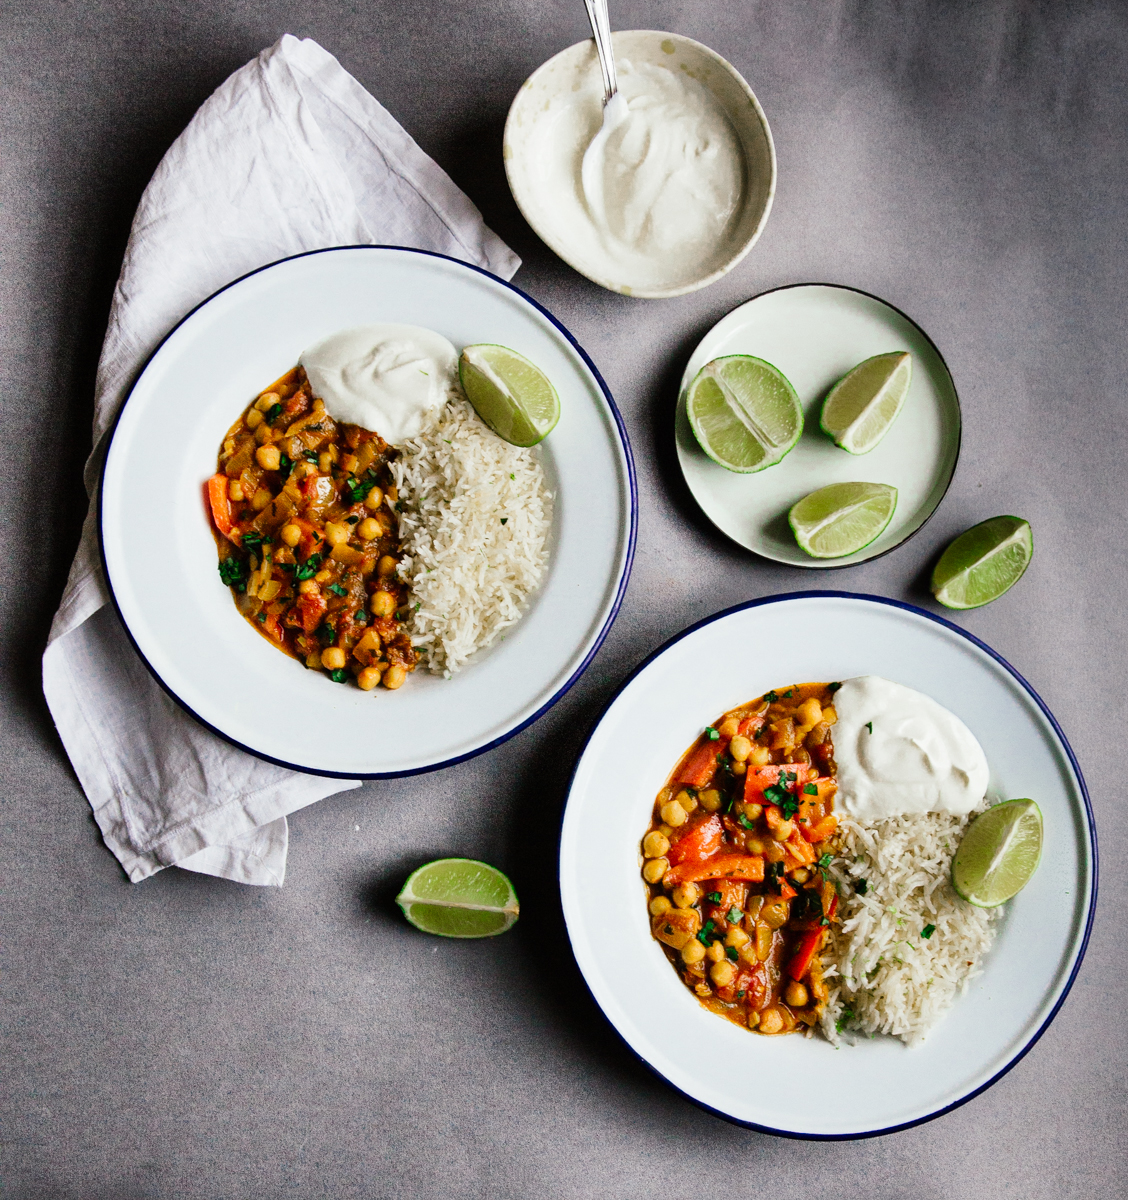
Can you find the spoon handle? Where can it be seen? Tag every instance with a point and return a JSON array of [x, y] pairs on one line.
[[601, 28]]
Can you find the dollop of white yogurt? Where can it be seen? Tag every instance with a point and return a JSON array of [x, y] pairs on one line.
[[899, 752], [386, 378], [665, 187]]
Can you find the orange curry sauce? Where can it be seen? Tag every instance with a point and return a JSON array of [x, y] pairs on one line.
[[735, 858]]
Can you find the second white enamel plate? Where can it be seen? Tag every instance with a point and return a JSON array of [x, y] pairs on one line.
[[814, 334]]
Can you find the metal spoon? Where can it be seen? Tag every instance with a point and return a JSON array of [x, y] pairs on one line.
[[615, 110]]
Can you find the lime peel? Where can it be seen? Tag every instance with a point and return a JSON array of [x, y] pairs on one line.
[[512, 395], [842, 518], [999, 853], [459, 897], [983, 562], [861, 407]]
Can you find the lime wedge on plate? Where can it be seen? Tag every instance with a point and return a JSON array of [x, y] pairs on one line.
[[743, 412], [459, 897], [982, 563], [862, 405], [509, 393], [842, 518], [999, 853]]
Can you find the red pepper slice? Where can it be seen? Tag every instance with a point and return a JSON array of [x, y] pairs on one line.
[[801, 963]]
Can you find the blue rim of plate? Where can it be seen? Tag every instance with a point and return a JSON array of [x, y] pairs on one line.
[[823, 564], [1090, 825], [620, 591]]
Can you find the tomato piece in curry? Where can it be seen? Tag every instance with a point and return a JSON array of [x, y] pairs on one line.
[[735, 858], [304, 519]]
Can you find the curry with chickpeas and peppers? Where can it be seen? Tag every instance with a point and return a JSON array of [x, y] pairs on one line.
[[304, 516], [735, 860]]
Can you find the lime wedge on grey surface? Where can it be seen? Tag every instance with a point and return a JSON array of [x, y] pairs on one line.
[[863, 404], [743, 412], [842, 518], [999, 852], [512, 395], [459, 897], [983, 563]]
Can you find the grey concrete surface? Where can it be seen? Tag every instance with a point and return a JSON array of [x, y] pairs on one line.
[[190, 1038]]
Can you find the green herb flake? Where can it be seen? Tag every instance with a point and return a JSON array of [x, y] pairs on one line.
[[233, 572], [731, 952], [927, 932], [309, 568], [261, 618], [771, 697], [740, 994], [832, 688], [734, 916], [338, 676], [824, 861], [809, 789], [711, 733], [337, 590], [361, 617], [504, 520], [714, 897], [326, 634], [746, 822], [273, 413], [861, 886], [869, 726], [511, 475], [847, 1013], [789, 693]]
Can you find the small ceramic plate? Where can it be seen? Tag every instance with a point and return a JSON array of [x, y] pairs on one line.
[[797, 1086], [815, 333], [160, 556]]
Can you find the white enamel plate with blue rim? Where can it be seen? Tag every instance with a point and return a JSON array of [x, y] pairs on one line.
[[797, 1086], [161, 560], [815, 334]]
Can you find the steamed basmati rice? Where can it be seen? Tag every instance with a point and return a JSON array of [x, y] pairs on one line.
[[475, 517], [883, 976]]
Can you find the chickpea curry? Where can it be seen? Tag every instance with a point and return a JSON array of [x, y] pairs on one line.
[[303, 512], [735, 860]]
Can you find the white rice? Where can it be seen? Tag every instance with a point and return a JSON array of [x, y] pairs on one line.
[[883, 976], [474, 521]]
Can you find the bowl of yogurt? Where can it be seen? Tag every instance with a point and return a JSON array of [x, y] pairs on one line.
[[674, 196]]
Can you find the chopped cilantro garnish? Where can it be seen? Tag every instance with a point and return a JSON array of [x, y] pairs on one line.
[[252, 540], [418, 605], [740, 994], [361, 617], [326, 634], [504, 520], [701, 937], [731, 952], [310, 455], [714, 897], [861, 886], [809, 789], [771, 697], [790, 776], [273, 413], [734, 915], [776, 793], [927, 931], [338, 676], [824, 861], [833, 687], [789, 807], [261, 618], [789, 693], [869, 726], [511, 475], [746, 822], [285, 465], [847, 1016], [352, 520], [713, 735], [233, 572], [309, 568], [337, 590]]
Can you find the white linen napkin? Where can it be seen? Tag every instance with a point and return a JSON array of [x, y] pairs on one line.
[[289, 154]]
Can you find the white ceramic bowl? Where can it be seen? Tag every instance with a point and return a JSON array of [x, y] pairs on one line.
[[530, 135], [160, 556], [796, 1086]]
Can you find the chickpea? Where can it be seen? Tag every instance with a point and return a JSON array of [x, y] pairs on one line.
[[830, 715], [774, 914], [796, 995], [336, 535], [383, 604], [254, 419], [333, 658], [810, 712], [235, 491], [716, 952], [753, 811], [368, 678], [687, 800], [655, 844], [665, 830], [261, 499], [267, 401], [800, 875], [771, 1021], [740, 748], [324, 576], [783, 831], [661, 905], [722, 973], [654, 868], [268, 458], [687, 895], [738, 768], [692, 952], [729, 727], [374, 499], [736, 937], [368, 530], [394, 677], [760, 756], [710, 799], [673, 814], [754, 846], [308, 587], [291, 534], [387, 564]]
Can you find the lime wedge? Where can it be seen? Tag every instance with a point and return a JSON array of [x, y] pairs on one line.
[[512, 396], [459, 897], [842, 518], [862, 405], [999, 852], [981, 564], [743, 412]]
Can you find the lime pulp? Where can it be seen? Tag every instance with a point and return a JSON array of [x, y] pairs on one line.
[[513, 396], [842, 518], [862, 406], [999, 853], [983, 562], [459, 897]]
